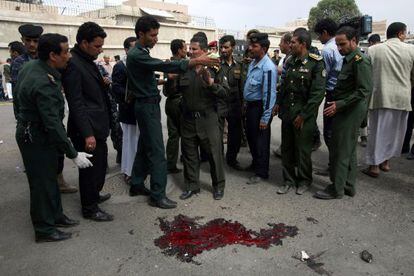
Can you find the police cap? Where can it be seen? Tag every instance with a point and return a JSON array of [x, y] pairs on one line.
[[258, 37], [30, 30]]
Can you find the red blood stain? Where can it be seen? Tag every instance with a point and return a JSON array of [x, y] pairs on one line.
[[186, 238]]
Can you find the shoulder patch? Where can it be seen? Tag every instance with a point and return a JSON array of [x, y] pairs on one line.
[[315, 57], [357, 58]]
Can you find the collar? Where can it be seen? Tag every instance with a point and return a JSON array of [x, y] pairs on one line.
[[139, 46], [233, 63], [351, 55], [394, 39], [331, 41], [82, 54], [50, 71], [303, 59], [260, 63]]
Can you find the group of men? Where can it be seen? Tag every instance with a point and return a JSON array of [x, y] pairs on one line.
[[203, 92]]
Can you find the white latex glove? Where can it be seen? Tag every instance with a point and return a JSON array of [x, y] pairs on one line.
[[82, 161]]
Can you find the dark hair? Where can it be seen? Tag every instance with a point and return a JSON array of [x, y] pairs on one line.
[[395, 28], [375, 38], [8, 60], [201, 41], [303, 36], [49, 43], [145, 24], [89, 31], [128, 41], [349, 32], [327, 25], [202, 34], [252, 31], [265, 43], [228, 38], [17, 46], [176, 45], [287, 37]]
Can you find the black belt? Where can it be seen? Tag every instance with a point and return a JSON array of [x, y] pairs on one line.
[[254, 103], [150, 100]]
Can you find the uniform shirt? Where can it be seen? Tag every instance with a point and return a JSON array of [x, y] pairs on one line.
[[230, 76], [17, 65], [197, 96], [333, 63], [261, 85], [140, 70], [303, 87], [354, 81], [170, 89], [40, 100]]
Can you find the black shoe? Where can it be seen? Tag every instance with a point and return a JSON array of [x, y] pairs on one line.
[[135, 190], [163, 203], [236, 166], [326, 195], [188, 194], [66, 222], [218, 194], [99, 216], [56, 236], [350, 192], [103, 198], [174, 170]]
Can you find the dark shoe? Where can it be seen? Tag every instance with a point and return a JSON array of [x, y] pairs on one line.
[[364, 141], [254, 180], [103, 198], [326, 195], [284, 189], [316, 145], [236, 166], [163, 203], [99, 216], [410, 156], [56, 236], [188, 194], [135, 190], [218, 194], [302, 189], [66, 222], [174, 170], [349, 192], [249, 168], [370, 173]]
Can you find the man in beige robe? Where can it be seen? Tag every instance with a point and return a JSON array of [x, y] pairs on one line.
[[393, 76]]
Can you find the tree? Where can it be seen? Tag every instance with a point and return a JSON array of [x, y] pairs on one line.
[[334, 9]]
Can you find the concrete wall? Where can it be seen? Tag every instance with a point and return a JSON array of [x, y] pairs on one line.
[[68, 25]]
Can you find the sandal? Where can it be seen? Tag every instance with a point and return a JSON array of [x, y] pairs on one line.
[[370, 173], [384, 168]]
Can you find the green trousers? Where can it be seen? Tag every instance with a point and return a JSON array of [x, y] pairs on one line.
[[173, 111], [296, 152], [150, 156], [41, 163], [343, 155], [202, 132]]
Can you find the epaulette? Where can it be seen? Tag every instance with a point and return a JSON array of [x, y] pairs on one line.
[[315, 57], [357, 58]]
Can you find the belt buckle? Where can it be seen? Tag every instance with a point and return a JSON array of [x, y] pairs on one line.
[[197, 115]]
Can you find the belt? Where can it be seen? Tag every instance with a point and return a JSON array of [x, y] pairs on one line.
[[253, 103], [149, 100], [30, 124], [197, 114]]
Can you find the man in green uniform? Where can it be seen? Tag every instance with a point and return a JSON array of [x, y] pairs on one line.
[[142, 86], [302, 92], [231, 107], [199, 124], [172, 107], [41, 136], [348, 109]]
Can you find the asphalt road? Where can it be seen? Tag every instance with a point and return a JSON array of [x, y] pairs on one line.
[[380, 219]]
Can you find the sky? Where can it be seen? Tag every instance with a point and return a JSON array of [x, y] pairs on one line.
[[245, 14]]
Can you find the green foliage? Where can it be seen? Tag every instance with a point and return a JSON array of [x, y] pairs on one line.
[[334, 9]]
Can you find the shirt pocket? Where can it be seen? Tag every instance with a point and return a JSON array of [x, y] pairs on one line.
[[254, 84], [343, 76], [184, 81]]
